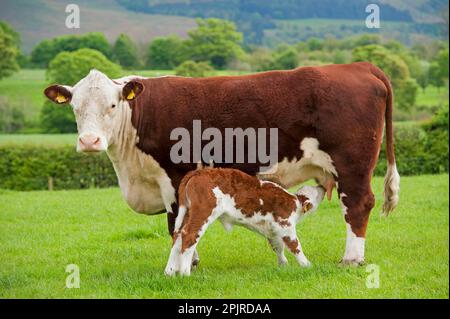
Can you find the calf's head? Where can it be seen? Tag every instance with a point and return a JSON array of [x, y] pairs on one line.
[[98, 104], [310, 197]]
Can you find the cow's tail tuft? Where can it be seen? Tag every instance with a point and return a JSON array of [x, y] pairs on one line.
[[391, 189], [392, 178]]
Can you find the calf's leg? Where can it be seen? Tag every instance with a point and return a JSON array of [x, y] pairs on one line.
[[293, 244], [171, 219], [186, 239], [278, 247]]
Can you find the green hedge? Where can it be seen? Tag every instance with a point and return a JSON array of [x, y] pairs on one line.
[[32, 167], [418, 149], [417, 152]]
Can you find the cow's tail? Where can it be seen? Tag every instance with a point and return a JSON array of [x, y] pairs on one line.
[[392, 178]]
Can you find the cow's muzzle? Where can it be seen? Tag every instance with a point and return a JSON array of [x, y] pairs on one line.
[[90, 143]]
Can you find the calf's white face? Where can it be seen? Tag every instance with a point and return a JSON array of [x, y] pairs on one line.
[[97, 103]]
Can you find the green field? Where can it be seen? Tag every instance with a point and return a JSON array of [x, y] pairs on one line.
[[123, 254], [432, 96]]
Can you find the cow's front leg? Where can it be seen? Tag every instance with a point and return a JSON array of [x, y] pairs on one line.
[[356, 209]]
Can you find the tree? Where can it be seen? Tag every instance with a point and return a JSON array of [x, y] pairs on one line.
[[68, 68], [286, 59], [216, 41], [166, 52], [442, 61], [404, 86], [194, 69], [314, 44], [46, 50], [424, 76], [8, 51], [125, 52], [12, 118], [434, 75]]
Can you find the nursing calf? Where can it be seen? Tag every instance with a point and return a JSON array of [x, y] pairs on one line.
[[234, 197]]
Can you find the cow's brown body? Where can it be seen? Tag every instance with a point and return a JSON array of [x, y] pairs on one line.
[[343, 106], [329, 117]]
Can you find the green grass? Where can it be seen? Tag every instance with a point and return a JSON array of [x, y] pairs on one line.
[[38, 139], [123, 254], [25, 88], [432, 96]]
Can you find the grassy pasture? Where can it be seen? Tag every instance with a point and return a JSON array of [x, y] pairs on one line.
[[123, 254]]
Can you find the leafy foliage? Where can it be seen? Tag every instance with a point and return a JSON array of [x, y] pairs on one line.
[[28, 167], [395, 67], [420, 150], [125, 52], [46, 50], [166, 52], [193, 69], [69, 67], [216, 41], [12, 119], [9, 50]]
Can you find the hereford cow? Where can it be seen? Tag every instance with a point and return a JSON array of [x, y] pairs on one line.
[[234, 197], [330, 125]]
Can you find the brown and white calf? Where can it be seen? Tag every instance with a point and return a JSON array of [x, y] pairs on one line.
[[234, 197]]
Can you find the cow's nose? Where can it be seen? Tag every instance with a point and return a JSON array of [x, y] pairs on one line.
[[89, 142]]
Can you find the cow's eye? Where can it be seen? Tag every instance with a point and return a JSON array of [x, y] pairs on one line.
[[113, 106]]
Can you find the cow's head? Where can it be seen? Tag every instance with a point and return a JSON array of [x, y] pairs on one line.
[[98, 103]]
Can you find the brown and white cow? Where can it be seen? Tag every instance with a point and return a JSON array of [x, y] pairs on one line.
[[330, 124], [236, 198]]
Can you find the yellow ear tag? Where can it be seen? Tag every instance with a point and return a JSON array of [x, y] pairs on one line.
[[60, 98], [307, 206], [131, 95]]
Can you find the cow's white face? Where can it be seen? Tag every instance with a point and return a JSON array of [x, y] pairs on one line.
[[97, 103]]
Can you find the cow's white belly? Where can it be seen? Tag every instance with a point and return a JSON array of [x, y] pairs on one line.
[[145, 186], [143, 197], [315, 164]]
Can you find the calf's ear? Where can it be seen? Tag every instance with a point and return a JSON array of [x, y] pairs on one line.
[[131, 90], [58, 94], [307, 206]]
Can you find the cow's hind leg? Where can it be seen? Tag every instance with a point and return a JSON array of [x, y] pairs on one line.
[[357, 201]]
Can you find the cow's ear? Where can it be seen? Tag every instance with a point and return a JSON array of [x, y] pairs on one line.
[[131, 90], [58, 94]]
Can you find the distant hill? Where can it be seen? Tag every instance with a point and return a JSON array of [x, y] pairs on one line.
[[39, 19], [266, 22]]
